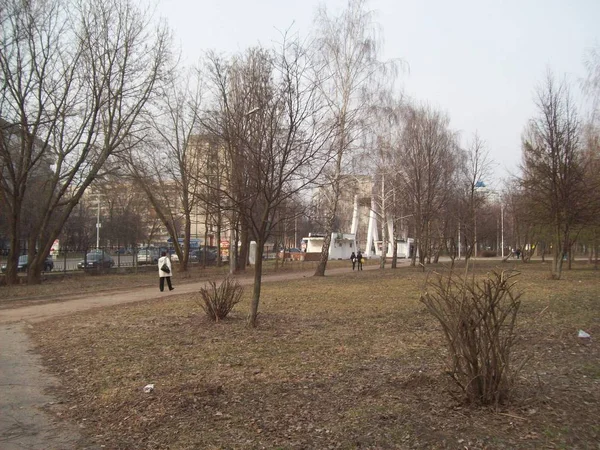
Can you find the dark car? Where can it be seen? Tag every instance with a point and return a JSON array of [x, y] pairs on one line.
[[198, 255], [24, 260], [96, 260]]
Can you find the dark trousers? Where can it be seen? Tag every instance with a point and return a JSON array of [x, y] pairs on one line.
[[360, 264], [353, 264], [162, 283]]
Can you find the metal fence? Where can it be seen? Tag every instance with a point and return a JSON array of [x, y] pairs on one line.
[[101, 259]]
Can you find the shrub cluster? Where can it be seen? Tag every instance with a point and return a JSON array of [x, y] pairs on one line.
[[478, 320], [218, 301]]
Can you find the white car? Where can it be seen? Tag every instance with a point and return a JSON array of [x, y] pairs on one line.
[[148, 256]]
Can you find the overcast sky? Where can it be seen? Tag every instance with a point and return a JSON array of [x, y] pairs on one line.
[[478, 60]]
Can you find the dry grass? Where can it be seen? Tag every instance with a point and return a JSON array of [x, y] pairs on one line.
[[351, 361], [57, 286]]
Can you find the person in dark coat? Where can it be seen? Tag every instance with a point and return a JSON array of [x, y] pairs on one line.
[[359, 259], [164, 260], [353, 259]]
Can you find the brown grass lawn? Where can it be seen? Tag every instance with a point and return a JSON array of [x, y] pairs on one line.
[[57, 286], [351, 361]]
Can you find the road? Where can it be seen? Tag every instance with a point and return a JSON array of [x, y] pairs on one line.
[[71, 263]]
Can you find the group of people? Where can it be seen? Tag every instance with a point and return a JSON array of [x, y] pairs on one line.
[[357, 259]]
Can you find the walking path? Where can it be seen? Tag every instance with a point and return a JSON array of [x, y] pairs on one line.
[[24, 383]]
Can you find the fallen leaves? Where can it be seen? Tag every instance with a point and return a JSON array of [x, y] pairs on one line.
[[359, 368]]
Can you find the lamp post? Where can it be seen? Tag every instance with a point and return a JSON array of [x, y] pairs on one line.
[[98, 224], [502, 228]]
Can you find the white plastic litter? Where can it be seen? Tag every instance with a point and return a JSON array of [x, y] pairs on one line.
[[148, 388], [582, 334]]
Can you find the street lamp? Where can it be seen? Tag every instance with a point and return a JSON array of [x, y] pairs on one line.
[[98, 224], [502, 228]]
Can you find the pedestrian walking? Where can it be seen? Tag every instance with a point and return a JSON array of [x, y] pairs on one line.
[[164, 271], [359, 259], [353, 259]]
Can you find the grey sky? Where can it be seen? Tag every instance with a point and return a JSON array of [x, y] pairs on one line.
[[480, 61]]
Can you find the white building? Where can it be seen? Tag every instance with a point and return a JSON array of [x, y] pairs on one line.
[[404, 248], [341, 247]]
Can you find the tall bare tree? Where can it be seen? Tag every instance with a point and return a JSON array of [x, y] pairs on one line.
[[475, 167], [167, 165], [74, 77], [383, 153], [429, 162], [553, 168], [349, 49], [272, 124]]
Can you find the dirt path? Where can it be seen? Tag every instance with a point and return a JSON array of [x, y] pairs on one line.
[[23, 386], [24, 383]]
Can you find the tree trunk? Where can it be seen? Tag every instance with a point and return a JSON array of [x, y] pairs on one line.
[[252, 320], [570, 257], [244, 257], [320, 271], [413, 256], [383, 244], [557, 261], [218, 239], [12, 261], [205, 253], [395, 244], [544, 251]]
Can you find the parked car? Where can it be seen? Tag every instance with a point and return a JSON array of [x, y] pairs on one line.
[[198, 255], [96, 260], [148, 256], [293, 254], [23, 263]]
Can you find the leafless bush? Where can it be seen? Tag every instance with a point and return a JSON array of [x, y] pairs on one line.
[[478, 320], [218, 301]]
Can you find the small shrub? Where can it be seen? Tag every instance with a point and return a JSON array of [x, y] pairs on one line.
[[478, 320], [488, 254], [218, 301]]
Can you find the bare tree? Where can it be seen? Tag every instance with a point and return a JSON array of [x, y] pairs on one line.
[[128, 214], [591, 84], [553, 168], [429, 162], [75, 76], [349, 71], [591, 137], [167, 166], [475, 168], [383, 152], [271, 121]]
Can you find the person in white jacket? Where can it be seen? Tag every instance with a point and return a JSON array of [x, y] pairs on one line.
[[165, 261]]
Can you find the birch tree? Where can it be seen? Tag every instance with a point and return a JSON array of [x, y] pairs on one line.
[[349, 70]]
